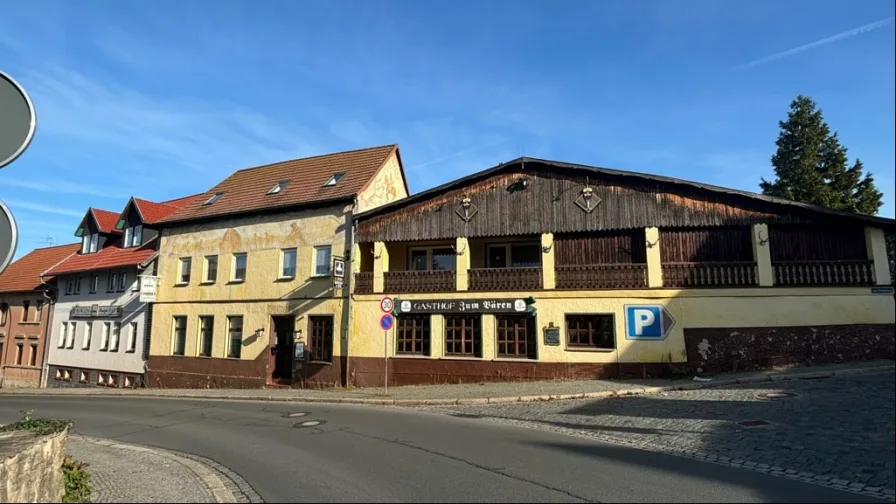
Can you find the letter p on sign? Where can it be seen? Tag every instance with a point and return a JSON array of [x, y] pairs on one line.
[[647, 322]]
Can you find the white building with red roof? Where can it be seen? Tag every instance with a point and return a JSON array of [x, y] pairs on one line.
[[100, 330]]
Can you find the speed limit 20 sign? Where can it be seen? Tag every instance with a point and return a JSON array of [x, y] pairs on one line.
[[387, 305]]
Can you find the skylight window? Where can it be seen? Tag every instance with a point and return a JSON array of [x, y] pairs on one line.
[[279, 187], [213, 199], [334, 179], [120, 224]]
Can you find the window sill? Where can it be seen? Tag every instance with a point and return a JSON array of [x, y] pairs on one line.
[[515, 359], [590, 350], [182, 284], [320, 362], [130, 351], [231, 357], [460, 358], [208, 282], [231, 282], [285, 279], [178, 355], [325, 275], [411, 356]]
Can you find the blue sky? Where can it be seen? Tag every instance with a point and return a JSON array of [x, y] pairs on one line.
[[162, 99]]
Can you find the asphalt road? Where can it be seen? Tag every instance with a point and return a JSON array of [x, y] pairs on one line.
[[393, 455]]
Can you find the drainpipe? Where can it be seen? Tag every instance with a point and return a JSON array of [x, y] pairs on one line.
[[45, 365], [349, 284]]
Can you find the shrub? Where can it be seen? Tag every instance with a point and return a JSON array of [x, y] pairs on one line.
[[77, 481]]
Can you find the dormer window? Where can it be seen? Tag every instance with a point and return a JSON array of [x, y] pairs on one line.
[[334, 179], [279, 187], [89, 243], [133, 236], [213, 199]]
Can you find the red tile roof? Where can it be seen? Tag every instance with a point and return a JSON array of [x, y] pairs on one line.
[[106, 220], [111, 256], [153, 212], [24, 274], [246, 190]]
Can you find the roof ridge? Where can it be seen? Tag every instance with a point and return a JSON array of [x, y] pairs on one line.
[[352, 151], [54, 246]]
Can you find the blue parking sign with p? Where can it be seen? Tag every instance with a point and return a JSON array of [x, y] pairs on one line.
[[647, 322]]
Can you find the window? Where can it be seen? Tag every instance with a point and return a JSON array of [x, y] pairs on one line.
[[26, 306], [1, 352], [94, 284], [186, 266], [69, 285], [321, 338], [116, 335], [104, 338], [32, 357], [215, 197], [288, 263], [279, 187], [38, 311], [133, 236], [88, 333], [89, 243], [322, 260], [463, 335], [127, 237], [20, 349], [442, 258], [180, 335], [206, 328], [4, 311], [239, 267], [517, 255], [132, 338], [78, 282], [211, 268], [517, 336], [413, 335], [70, 335], [591, 331], [334, 179], [62, 332], [122, 282], [83, 377], [113, 279], [235, 340]]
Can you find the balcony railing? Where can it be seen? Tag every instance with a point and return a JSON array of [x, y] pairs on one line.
[[505, 279], [713, 274], [602, 276], [824, 273], [364, 282], [395, 282]]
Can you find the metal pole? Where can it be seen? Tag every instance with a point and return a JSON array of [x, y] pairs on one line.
[[386, 361]]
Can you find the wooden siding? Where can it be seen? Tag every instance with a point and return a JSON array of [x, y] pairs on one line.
[[816, 243], [614, 247], [548, 205], [724, 244]]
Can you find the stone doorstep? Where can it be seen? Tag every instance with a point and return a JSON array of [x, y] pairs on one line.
[[636, 390], [208, 476]]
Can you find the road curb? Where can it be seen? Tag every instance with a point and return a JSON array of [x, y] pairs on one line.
[[225, 486], [634, 391]]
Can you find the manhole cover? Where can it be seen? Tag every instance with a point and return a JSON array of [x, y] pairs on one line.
[[777, 395], [309, 423], [295, 414], [753, 423]]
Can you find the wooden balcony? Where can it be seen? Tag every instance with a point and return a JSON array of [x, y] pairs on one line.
[[398, 282], [602, 276], [709, 274], [505, 279], [824, 273], [364, 282]]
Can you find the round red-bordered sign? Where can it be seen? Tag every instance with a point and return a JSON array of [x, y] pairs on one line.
[[387, 305]]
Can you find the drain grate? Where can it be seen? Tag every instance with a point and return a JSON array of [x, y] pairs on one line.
[[776, 395], [753, 423], [308, 423]]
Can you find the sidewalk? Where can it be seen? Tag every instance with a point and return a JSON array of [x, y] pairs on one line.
[[501, 392], [128, 473]]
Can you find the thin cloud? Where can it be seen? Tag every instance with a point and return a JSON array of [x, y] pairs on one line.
[[818, 43], [458, 153], [59, 187], [39, 207]]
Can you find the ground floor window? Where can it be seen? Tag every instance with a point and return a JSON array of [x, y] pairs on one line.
[[595, 331], [413, 335], [517, 336], [179, 342], [206, 326], [235, 331], [321, 338], [463, 335]]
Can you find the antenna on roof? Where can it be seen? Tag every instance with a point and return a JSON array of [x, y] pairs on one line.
[[46, 239]]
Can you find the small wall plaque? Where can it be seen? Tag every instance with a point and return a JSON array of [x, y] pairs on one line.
[[552, 336]]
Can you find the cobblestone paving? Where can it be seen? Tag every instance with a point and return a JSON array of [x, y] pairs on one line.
[[836, 431], [121, 475]]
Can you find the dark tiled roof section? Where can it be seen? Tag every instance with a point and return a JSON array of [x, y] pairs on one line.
[[246, 190], [106, 220], [24, 274], [109, 257]]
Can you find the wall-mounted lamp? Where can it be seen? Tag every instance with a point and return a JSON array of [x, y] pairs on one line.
[[260, 330]]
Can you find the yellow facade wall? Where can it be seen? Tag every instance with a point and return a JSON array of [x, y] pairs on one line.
[[718, 308], [387, 186]]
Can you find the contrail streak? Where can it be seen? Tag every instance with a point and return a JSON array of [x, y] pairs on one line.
[[835, 38]]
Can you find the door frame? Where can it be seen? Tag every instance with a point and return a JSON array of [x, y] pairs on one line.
[[272, 344]]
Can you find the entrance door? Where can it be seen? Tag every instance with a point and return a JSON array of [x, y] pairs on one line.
[[282, 347]]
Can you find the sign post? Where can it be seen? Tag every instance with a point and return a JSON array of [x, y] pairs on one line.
[[386, 322]]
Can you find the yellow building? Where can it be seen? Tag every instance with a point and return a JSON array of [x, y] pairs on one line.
[[250, 286], [537, 269]]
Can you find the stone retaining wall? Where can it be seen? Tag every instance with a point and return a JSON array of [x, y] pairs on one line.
[[31, 467]]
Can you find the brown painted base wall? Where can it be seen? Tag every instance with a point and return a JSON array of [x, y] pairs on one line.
[[168, 371], [749, 348], [19, 376], [315, 375]]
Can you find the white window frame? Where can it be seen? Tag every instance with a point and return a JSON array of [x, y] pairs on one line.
[[94, 242], [180, 270], [207, 270], [132, 338], [127, 237], [317, 250], [88, 335], [104, 338], [70, 335], [295, 263], [233, 277], [63, 334], [116, 337]]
